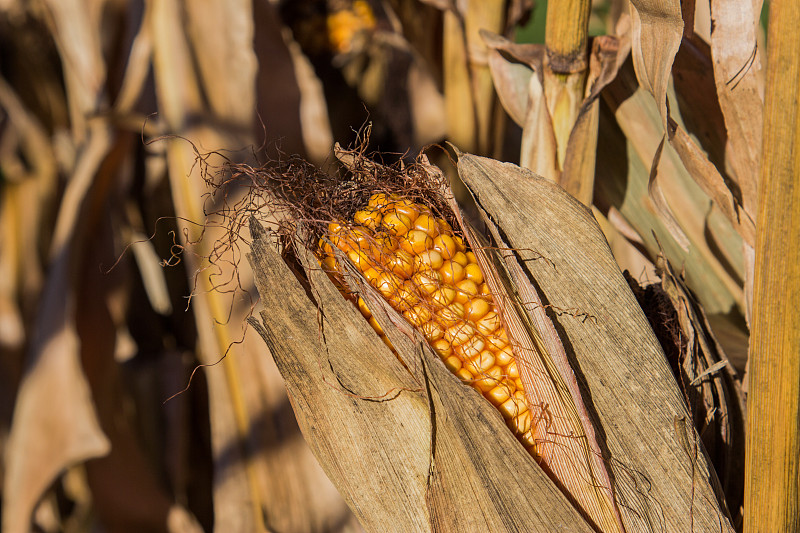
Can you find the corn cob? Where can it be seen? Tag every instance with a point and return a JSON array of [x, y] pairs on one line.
[[427, 273]]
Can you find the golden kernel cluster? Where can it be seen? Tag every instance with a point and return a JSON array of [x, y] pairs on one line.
[[427, 273]]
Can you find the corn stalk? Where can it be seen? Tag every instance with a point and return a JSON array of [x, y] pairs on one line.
[[772, 500]]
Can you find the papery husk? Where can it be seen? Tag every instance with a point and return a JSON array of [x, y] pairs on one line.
[[661, 475]]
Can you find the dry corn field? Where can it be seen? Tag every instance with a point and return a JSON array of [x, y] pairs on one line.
[[399, 265]]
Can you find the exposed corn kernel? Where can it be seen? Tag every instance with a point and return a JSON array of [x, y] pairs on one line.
[[427, 274]]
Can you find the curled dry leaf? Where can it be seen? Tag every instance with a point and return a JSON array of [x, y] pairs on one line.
[[662, 478], [631, 136], [712, 388]]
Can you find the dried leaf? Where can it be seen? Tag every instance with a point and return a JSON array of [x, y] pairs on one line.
[[625, 149], [714, 393], [739, 79], [656, 32], [55, 424], [517, 74], [610, 344]]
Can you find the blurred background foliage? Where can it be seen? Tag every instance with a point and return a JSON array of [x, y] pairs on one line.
[[108, 301]]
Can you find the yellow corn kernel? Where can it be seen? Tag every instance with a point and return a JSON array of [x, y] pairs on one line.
[[388, 283], [504, 356], [452, 314], [443, 347], [444, 295], [445, 245], [481, 363], [403, 207], [427, 224], [416, 241], [499, 394], [427, 274], [432, 331], [460, 258], [453, 363], [473, 273], [418, 315], [429, 259], [401, 263], [489, 379], [464, 291], [473, 347], [427, 281], [459, 333], [397, 223], [451, 272], [369, 217], [476, 309]]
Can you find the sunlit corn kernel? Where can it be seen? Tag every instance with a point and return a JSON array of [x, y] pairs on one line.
[[442, 347], [453, 363], [484, 289], [528, 439], [521, 423], [418, 315], [375, 325], [329, 264], [444, 227], [432, 331], [465, 375], [359, 259], [403, 207], [401, 263], [369, 217], [465, 291], [450, 315], [451, 272], [473, 273], [504, 356], [512, 407], [460, 258], [388, 283], [379, 200], [518, 384], [512, 370], [459, 333], [325, 247], [489, 323], [405, 297], [471, 258], [371, 274], [497, 341], [489, 379], [427, 281], [397, 223], [473, 347], [428, 259], [385, 244], [460, 244], [445, 245], [476, 309], [362, 306], [444, 295], [499, 394], [481, 363], [415, 241], [427, 224]]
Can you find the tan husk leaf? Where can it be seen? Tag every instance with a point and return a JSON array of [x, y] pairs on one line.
[[714, 393], [661, 474], [631, 137], [409, 446]]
